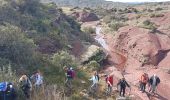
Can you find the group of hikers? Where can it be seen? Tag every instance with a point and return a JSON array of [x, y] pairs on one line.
[[26, 85], [35, 82], [122, 83], [152, 82]]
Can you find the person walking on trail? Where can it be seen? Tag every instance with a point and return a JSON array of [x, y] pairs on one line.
[[122, 83], [70, 74], [154, 81], [143, 81], [109, 82], [38, 79], [26, 85], [95, 79]]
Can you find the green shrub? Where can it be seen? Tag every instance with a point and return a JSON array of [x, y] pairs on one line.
[[158, 9], [147, 22], [98, 57], [115, 25], [149, 25], [62, 59], [107, 19], [149, 10], [89, 30], [156, 15], [159, 15], [93, 65]]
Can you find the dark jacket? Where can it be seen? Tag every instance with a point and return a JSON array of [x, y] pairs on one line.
[[157, 80], [123, 83]]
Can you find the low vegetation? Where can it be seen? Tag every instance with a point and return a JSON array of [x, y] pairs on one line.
[[36, 36], [114, 26], [89, 30], [149, 25], [156, 15]]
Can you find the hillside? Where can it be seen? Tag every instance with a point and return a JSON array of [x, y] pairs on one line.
[[46, 28], [89, 3], [88, 35], [38, 36]]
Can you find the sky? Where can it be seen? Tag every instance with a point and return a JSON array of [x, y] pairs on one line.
[[138, 0]]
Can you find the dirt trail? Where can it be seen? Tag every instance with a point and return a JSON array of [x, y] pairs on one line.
[[132, 74], [120, 65], [117, 65]]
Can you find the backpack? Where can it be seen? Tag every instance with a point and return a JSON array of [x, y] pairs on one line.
[[110, 79], [26, 84], [73, 74], [69, 73], [3, 86]]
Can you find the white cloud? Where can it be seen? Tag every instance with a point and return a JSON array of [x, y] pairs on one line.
[[138, 0]]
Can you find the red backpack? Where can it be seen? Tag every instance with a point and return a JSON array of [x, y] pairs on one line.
[[110, 79]]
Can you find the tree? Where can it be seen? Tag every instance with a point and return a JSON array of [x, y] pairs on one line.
[[15, 46]]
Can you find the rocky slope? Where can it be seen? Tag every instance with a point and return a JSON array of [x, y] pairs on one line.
[[141, 44], [146, 51]]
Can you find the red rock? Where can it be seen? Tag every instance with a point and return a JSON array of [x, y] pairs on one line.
[[140, 44]]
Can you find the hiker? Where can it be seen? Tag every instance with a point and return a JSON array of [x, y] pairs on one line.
[[154, 81], [122, 83], [7, 91], [95, 79], [38, 80], [143, 81], [26, 85], [109, 82], [33, 78], [10, 92], [70, 74]]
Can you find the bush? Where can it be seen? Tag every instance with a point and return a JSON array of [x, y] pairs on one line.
[[16, 47], [156, 15], [93, 65], [115, 25], [147, 22], [62, 59], [107, 19], [89, 30], [149, 10], [158, 9], [149, 25]]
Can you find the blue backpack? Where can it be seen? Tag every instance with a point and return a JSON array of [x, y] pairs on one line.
[[3, 86]]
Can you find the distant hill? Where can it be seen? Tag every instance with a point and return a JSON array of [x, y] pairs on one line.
[[89, 3]]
